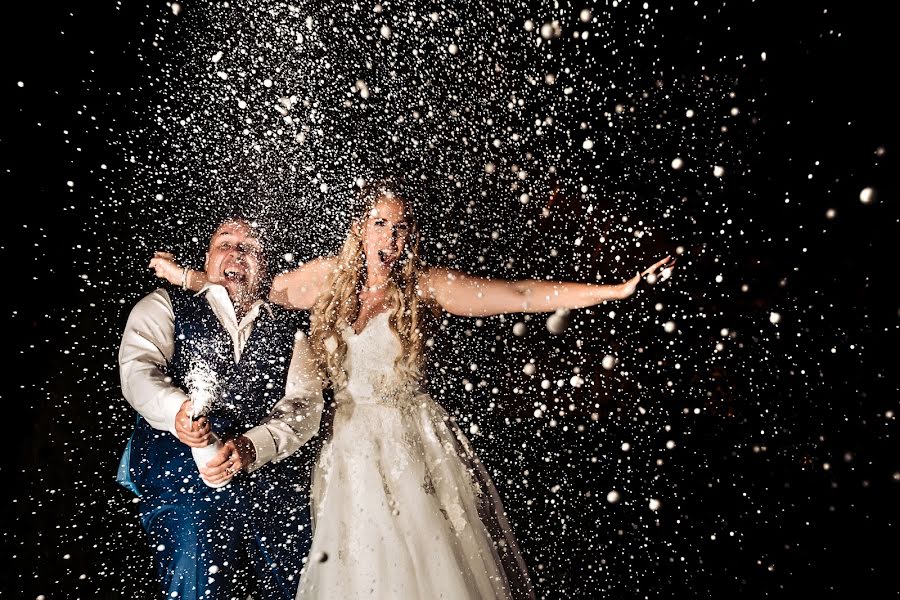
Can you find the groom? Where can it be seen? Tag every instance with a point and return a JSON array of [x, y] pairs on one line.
[[250, 536]]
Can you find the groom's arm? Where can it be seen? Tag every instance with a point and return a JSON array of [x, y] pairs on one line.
[[295, 419], [147, 346]]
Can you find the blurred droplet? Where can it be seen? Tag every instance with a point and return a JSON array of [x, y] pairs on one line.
[[558, 321], [867, 195]]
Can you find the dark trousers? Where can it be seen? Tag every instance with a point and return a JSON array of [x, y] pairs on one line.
[[248, 537], [220, 544]]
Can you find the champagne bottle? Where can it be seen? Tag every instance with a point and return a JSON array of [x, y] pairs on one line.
[[205, 454], [201, 381]]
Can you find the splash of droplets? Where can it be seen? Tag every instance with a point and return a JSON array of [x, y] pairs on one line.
[[540, 125]]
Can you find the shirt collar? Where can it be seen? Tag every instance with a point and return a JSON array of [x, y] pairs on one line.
[[208, 286]]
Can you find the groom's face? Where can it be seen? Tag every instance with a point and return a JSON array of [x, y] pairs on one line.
[[234, 260]]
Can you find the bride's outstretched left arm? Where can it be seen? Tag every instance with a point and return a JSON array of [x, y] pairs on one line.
[[466, 295], [300, 287]]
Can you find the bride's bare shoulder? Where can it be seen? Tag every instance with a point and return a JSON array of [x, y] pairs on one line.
[[315, 267]]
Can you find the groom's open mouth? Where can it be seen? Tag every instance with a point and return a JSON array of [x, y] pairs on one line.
[[235, 274]]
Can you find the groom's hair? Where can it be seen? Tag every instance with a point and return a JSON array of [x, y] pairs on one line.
[[256, 226]]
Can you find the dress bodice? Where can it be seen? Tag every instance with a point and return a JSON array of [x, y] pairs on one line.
[[370, 361]]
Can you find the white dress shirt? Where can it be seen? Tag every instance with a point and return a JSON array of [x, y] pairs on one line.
[[149, 343]]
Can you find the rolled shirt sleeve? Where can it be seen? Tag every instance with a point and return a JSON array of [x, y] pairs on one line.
[[294, 419], [147, 346]]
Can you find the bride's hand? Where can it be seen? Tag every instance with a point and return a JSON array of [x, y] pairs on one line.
[[166, 267], [664, 268]]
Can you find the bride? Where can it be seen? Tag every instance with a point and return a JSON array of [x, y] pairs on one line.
[[401, 506]]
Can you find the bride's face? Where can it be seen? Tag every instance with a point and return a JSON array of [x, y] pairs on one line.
[[385, 232]]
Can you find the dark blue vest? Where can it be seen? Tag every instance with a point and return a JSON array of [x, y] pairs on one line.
[[159, 464]]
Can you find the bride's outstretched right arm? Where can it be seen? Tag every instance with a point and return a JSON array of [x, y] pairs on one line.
[[166, 267], [299, 288]]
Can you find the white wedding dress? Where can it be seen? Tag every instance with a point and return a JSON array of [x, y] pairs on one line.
[[401, 507]]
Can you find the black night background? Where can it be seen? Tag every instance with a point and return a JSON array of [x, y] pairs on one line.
[[728, 432]]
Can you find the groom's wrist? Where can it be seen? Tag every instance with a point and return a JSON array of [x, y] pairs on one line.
[[246, 449], [171, 407], [264, 449]]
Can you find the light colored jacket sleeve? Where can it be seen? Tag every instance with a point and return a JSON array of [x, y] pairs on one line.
[[295, 419], [147, 346]]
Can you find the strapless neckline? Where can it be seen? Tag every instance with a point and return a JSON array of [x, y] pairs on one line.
[[371, 320]]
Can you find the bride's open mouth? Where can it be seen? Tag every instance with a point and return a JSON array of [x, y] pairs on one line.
[[386, 258]]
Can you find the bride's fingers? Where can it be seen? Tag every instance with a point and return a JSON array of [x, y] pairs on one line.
[[652, 268], [656, 265], [662, 262], [666, 271], [163, 268]]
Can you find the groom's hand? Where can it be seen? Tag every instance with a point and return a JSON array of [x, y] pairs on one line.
[[234, 456], [193, 433]]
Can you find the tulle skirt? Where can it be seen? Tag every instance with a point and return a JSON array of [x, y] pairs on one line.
[[403, 509]]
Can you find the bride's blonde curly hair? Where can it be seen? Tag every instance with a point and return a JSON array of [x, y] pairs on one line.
[[338, 307]]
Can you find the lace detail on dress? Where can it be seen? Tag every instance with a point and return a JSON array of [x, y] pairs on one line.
[[390, 392]]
